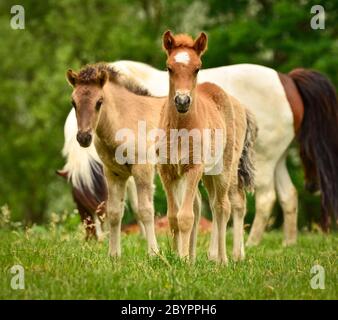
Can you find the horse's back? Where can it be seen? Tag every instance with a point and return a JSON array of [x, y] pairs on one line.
[[222, 100], [233, 113]]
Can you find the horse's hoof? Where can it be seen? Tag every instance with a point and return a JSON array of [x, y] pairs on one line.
[[212, 256], [289, 243], [252, 243], [223, 261]]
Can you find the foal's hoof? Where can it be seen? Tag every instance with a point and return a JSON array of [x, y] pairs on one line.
[[238, 257], [114, 255], [252, 243], [289, 242], [223, 261], [212, 256], [153, 252]]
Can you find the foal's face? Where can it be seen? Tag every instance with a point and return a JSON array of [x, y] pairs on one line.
[[183, 66], [183, 63], [87, 99]]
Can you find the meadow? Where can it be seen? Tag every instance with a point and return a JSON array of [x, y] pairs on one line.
[[59, 264], [35, 101]]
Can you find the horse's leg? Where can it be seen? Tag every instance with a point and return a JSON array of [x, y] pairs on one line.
[[265, 198], [172, 215], [132, 197], [213, 247], [222, 211], [172, 202], [185, 215], [193, 237], [288, 199], [238, 208], [115, 207], [144, 180]]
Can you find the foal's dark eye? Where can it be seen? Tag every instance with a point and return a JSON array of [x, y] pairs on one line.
[[74, 104], [98, 104], [197, 70]]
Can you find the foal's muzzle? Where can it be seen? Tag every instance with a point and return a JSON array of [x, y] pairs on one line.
[[84, 138], [182, 102]]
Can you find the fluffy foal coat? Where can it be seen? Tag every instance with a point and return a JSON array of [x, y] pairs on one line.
[[105, 103], [205, 106]]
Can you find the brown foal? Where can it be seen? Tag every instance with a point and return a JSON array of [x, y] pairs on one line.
[[195, 108]]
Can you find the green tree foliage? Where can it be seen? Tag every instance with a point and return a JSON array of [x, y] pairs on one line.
[[60, 34]]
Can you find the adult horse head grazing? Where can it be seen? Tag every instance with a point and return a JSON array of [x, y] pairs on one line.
[[196, 110], [107, 105]]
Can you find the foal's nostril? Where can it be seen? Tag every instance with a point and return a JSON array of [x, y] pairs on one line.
[[186, 100], [84, 138], [182, 100]]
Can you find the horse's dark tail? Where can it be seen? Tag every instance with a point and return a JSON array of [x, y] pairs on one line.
[[246, 169], [318, 135]]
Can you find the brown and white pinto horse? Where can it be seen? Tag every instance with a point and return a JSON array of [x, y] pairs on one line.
[[197, 108]]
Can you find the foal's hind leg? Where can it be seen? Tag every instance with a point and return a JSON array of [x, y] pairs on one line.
[[238, 208], [287, 196], [144, 176], [222, 209], [213, 247], [133, 201]]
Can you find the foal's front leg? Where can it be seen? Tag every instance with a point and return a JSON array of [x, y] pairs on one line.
[[115, 206], [193, 238], [185, 216]]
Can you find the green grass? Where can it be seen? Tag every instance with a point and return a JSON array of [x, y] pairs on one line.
[[60, 265]]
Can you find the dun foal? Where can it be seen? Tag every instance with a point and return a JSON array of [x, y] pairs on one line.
[[198, 107], [105, 103]]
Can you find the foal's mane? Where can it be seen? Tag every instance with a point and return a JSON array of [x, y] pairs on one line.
[[90, 73]]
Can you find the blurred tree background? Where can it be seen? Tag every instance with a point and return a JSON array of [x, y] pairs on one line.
[[59, 34]]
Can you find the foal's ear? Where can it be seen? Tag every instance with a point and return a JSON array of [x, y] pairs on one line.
[[201, 43], [71, 77], [168, 41], [103, 77]]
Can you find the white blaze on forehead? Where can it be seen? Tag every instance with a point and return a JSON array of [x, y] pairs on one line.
[[182, 57]]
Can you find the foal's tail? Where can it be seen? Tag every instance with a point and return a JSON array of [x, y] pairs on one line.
[[318, 135], [246, 170]]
